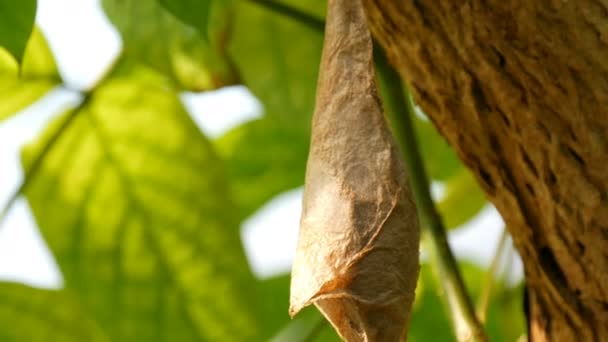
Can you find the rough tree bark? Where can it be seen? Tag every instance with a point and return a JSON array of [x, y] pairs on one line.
[[520, 89]]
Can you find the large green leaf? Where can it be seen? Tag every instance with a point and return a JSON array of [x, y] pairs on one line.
[[157, 38], [278, 58], [192, 12], [134, 205], [264, 158], [38, 75], [16, 23], [35, 315], [463, 199]]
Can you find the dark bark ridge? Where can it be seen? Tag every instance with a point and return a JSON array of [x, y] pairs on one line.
[[520, 90]]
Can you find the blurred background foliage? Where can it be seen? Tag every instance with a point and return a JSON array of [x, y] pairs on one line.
[[142, 211]]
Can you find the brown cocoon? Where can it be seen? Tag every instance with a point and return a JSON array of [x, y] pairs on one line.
[[357, 254]]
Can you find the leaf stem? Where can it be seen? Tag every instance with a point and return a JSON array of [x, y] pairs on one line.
[[401, 112], [492, 273]]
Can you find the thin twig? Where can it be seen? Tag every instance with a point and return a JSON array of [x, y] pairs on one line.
[[492, 273], [401, 111]]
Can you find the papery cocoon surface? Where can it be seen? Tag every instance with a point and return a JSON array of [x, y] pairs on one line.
[[357, 254]]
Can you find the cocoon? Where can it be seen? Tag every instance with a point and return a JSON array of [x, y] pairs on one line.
[[357, 257]]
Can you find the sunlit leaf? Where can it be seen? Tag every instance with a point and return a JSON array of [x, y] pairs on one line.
[[278, 58], [192, 12], [16, 24], [157, 38], [35, 315], [264, 158], [463, 199], [38, 75], [134, 205]]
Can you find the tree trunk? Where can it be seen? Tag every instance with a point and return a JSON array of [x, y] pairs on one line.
[[520, 90]]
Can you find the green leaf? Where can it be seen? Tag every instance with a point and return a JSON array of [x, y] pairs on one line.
[[38, 75], [505, 321], [16, 24], [463, 199], [192, 12], [274, 306], [35, 315], [157, 38], [506, 315], [429, 321], [278, 59], [268, 156], [308, 325], [264, 158], [277, 326], [133, 203], [440, 160]]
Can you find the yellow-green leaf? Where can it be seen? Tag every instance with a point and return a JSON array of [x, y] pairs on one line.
[[192, 12], [134, 205], [37, 315], [38, 75], [16, 23], [463, 199], [158, 39]]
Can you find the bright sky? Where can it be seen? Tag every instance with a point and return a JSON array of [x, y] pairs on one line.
[[84, 44]]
